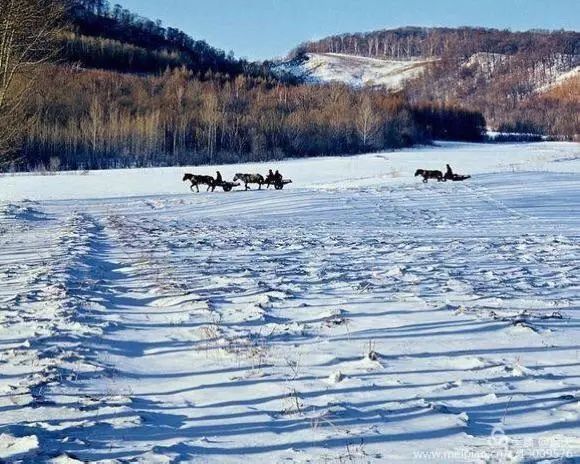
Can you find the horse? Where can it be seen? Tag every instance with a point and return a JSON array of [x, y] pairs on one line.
[[250, 179], [429, 175], [196, 181]]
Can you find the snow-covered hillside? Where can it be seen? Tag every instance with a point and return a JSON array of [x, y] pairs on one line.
[[360, 71], [353, 70], [573, 74], [359, 316]]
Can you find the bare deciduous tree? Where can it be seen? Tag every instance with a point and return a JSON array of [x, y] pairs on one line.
[[367, 122], [28, 35]]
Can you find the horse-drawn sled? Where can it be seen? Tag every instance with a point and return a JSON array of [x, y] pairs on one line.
[[439, 176], [272, 179], [227, 186]]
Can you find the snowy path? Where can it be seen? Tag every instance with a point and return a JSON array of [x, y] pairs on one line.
[[359, 323]]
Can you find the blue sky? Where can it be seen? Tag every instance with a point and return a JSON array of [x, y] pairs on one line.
[[260, 29]]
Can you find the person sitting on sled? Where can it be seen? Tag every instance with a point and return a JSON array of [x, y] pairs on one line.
[[278, 178], [218, 181], [449, 174]]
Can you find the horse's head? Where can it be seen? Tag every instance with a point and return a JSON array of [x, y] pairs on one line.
[[238, 177], [187, 177], [419, 172]]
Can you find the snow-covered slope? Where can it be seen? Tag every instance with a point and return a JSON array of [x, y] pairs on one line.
[[357, 71], [562, 79], [358, 316], [540, 75]]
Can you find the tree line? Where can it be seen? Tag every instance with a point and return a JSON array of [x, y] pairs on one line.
[[111, 37], [100, 119], [441, 42], [65, 115]]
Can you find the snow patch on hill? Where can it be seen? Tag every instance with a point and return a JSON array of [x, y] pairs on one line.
[[359, 71], [561, 79], [541, 76], [356, 71]]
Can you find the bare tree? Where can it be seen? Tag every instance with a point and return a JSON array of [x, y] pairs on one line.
[[211, 116], [28, 35], [367, 121]]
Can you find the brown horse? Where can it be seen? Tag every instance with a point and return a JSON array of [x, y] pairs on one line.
[[429, 175], [196, 181], [250, 179]]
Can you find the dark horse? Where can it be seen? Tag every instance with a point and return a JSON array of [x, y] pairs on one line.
[[250, 179], [429, 175], [196, 181]]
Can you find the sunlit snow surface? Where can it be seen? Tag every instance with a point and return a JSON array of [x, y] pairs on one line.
[[357, 316], [358, 71]]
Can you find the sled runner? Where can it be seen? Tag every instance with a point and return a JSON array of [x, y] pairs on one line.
[[456, 178], [227, 186]]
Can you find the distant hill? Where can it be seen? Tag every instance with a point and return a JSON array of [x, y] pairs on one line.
[[358, 71], [508, 76], [116, 39]]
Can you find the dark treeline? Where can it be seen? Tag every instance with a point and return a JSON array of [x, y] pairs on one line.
[[414, 42], [446, 123], [99, 119], [114, 38]]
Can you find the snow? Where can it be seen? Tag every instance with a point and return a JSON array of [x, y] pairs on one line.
[[542, 76], [486, 62], [357, 316], [574, 73], [357, 71]]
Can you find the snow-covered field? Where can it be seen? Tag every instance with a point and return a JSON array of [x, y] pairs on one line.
[[358, 316]]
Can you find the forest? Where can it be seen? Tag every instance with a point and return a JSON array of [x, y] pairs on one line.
[[108, 88], [114, 38], [118, 90], [101, 119], [415, 42]]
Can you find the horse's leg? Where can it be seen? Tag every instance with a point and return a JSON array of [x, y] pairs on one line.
[[197, 187], [247, 187], [260, 188]]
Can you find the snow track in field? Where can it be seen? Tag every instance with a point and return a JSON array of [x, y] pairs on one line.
[[382, 322]]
